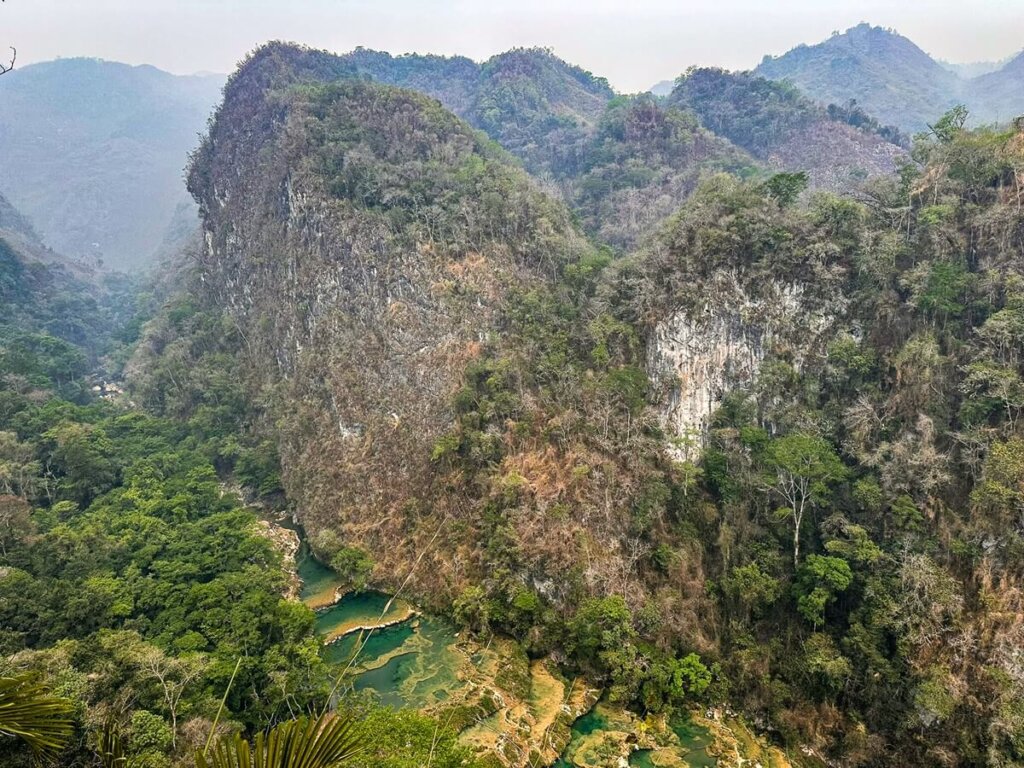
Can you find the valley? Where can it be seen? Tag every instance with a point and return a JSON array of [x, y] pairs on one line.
[[502, 704], [473, 414]]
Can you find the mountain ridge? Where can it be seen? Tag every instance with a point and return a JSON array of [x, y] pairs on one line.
[[895, 80], [93, 152]]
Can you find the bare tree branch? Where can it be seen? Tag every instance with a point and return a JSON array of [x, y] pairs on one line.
[[14, 55]]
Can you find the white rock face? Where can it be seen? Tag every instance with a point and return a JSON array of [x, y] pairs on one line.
[[704, 355], [702, 358]]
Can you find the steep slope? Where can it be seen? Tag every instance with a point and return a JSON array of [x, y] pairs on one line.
[[639, 166], [534, 104], [20, 236], [54, 321], [999, 96], [787, 131], [93, 153], [15, 223], [884, 72], [367, 244]]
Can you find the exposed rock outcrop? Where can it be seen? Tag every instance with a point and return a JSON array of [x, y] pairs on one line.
[[365, 241], [702, 356]]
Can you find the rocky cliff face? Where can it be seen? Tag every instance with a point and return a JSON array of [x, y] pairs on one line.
[[365, 242], [700, 356], [446, 389], [715, 309]]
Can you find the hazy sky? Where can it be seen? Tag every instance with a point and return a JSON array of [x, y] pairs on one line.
[[633, 43]]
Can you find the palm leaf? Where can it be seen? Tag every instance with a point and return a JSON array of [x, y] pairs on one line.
[[323, 742], [30, 712], [110, 748]]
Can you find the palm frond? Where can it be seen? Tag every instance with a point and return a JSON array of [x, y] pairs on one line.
[[110, 747], [323, 742], [30, 712]]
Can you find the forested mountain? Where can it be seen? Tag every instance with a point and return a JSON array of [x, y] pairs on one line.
[[600, 379], [402, 242], [93, 154], [999, 95], [528, 100], [884, 72], [892, 79], [116, 138], [625, 163], [780, 435], [640, 162], [454, 80], [838, 148]]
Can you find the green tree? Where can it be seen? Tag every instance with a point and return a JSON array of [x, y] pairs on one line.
[[601, 624], [819, 581], [801, 469], [31, 713], [328, 741]]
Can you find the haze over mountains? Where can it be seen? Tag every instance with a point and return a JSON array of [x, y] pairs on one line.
[[93, 154], [894, 80]]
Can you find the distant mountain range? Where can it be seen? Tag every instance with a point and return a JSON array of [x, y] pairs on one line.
[[624, 163], [93, 154], [893, 79]]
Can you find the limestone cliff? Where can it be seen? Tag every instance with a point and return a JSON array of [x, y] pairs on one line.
[[365, 242], [701, 355]]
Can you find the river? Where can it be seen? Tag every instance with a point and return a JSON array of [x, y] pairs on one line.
[[499, 700]]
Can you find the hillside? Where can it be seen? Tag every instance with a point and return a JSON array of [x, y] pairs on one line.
[[884, 72], [999, 96], [93, 154], [838, 149], [400, 242], [895, 81], [636, 168], [600, 458], [622, 163], [56, 314], [454, 81], [534, 104], [19, 235], [527, 99]]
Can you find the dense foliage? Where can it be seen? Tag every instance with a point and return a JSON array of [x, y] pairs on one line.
[[858, 500], [392, 327], [131, 582]]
